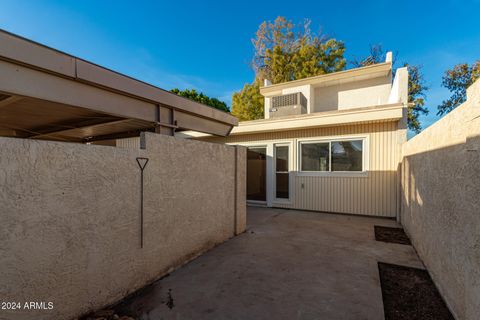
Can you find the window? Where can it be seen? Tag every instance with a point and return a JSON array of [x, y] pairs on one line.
[[315, 157], [332, 156], [347, 155], [281, 172]]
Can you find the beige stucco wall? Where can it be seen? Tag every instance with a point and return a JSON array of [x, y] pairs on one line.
[[374, 193], [70, 217], [441, 203]]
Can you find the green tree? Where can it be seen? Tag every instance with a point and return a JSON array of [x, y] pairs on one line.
[[416, 85], [285, 51], [457, 80], [202, 98], [416, 97], [247, 104]]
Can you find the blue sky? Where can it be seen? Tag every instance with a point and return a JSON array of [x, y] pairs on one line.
[[207, 45]]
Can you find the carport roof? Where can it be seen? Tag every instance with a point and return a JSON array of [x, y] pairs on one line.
[[48, 94]]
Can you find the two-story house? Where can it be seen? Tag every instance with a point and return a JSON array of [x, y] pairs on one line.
[[328, 143]]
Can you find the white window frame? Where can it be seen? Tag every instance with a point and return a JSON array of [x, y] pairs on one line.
[[274, 173], [365, 159], [271, 197]]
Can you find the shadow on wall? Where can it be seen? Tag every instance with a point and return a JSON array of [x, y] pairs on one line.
[[71, 217], [440, 211]]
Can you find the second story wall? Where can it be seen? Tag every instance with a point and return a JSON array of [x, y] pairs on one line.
[[358, 94], [368, 86]]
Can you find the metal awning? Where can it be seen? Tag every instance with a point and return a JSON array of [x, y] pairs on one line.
[[47, 94]]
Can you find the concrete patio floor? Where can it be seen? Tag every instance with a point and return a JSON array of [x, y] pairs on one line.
[[288, 265]]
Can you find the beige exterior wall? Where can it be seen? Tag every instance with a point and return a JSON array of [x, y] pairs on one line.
[[441, 203], [355, 88], [358, 94], [70, 217], [373, 193]]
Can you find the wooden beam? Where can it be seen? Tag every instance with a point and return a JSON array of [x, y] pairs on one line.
[[9, 101], [59, 129]]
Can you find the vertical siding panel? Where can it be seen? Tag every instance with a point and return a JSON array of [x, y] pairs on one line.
[[297, 195], [368, 205], [377, 170], [381, 200], [375, 182], [368, 209], [314, 192], [327, 190], [388, 170], [347, 196], [302, 199], [324, 190], [396, 166], [346, 190], [353, 187], [304, 193], [385, 172], [394, 169], [378, 178], [360, 183], [129, 143], [372, 173]]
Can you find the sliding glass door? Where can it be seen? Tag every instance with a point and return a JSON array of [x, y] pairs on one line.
[[257, 173]]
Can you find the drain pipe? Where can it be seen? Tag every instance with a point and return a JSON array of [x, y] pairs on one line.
[[142, 163]]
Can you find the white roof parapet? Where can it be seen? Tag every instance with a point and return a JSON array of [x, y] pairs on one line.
[[473, 92], [389, 57], [399, 91], [351, 75]]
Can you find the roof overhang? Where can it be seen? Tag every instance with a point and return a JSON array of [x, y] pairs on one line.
[[385, 113], [45, 93], [364, 73]]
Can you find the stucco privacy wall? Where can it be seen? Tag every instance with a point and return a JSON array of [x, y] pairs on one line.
[[441, 203], [70, 217], [374, 193]]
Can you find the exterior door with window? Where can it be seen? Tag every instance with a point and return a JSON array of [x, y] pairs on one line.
[[282, 174]]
